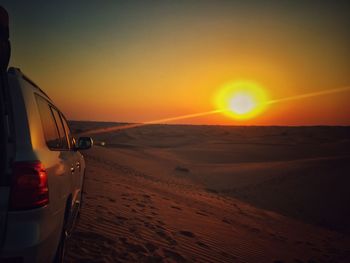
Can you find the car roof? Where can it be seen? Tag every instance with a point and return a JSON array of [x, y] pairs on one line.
[[17, 72]]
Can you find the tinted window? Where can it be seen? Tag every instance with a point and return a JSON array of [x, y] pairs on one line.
[[49, 125], [66, 127], [61, 132]]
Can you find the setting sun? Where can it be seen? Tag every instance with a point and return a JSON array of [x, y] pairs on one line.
[[241, 99]]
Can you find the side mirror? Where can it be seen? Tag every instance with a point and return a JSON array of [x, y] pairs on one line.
[[84, 143]]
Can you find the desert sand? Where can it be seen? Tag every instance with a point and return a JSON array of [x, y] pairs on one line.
[[180, 193]]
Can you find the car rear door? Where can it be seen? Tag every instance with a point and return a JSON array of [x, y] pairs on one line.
[[78, 173], [67, 155], [61, 174]]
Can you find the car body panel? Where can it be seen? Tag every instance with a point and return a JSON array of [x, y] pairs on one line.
[[40, 232]]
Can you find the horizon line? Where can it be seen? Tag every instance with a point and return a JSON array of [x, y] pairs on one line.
[[194, 115]]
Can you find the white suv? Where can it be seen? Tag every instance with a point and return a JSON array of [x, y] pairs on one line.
[[41, 170], [41, 182]]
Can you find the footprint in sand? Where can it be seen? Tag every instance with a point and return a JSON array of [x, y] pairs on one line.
[[316, 249], [176, 207], [282, 238], [123, 239], [228, 255], [120, 219], [93, 243], [151, 247], [187, 233], [201, 244], [133, 248], [149, 225], [201, 213], [174, 255], [309, 243], [132, 229], [165, 236], [154, 258], [255, 230], [226, 221], [160, 222]]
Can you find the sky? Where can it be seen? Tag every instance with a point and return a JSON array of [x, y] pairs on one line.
[[140, 61]]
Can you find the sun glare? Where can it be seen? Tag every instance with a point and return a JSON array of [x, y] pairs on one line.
[[241, 99]]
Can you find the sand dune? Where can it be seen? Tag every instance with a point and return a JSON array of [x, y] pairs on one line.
[[215, 194]]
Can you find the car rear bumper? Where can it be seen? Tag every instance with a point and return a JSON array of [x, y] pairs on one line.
[[32, 236]]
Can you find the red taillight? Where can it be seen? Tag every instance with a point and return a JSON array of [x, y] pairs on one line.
[[29, 186]]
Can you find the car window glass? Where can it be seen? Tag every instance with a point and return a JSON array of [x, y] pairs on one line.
[[48, 123], [61, 132], [66, 127]]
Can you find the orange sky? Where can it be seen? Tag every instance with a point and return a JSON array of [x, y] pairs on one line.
[[143, 62]]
